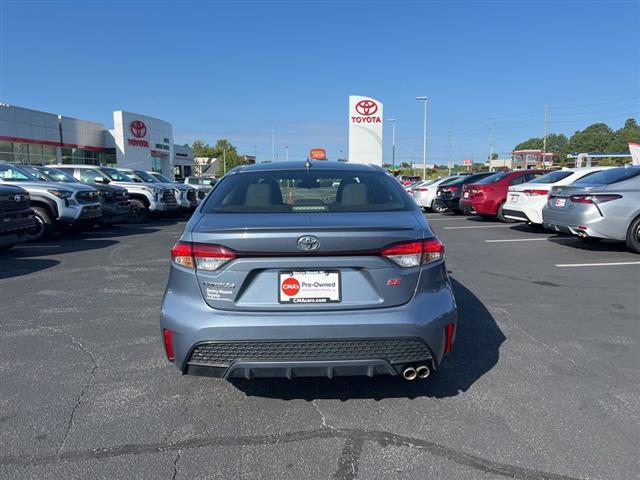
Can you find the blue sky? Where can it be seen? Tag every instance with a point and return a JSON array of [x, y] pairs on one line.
[[237, 69]]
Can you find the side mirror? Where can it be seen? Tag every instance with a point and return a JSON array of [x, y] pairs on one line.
[[212, 183], [101, 180]]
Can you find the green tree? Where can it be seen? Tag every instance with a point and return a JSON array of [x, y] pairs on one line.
[[201, 149], [629, 133], [596, 138], [531, 144]]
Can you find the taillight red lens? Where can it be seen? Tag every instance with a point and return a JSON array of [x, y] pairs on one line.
[[201, 255], [449, 331], [535, 192], [167, 336], [450, 189], [422, 189], [581, 199], [414, 253]]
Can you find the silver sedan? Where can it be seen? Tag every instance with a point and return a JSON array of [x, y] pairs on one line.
[[602, 205]]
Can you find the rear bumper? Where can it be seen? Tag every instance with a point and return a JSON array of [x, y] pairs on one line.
[[584, 222], [422, 321], [450, 203], [517, 215]]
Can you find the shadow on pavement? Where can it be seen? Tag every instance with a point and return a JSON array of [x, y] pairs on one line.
[[20, 259], [476, 351]]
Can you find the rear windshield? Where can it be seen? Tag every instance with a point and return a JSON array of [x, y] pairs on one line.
[[607, 177], [552, 177], [466, 179], [492, 178], [299, 191]]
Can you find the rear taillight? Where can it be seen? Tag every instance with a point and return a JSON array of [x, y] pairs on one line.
[[412, 254], [167, 336], [449, 189], [534, 192], [201, 256], [449, 331], [593, 198], [422, 189]]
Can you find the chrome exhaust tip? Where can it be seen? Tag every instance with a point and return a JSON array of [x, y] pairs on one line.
[[409, 373], [422, 371]]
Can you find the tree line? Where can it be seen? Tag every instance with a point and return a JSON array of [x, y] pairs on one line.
[[596, 138], [223, 150]]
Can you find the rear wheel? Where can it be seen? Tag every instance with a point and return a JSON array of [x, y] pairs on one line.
[[633, 236], [44, 225], [501, 217], [139, 211], [437, 207]]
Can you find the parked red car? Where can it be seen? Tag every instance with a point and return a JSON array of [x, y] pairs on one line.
[[486, 196]]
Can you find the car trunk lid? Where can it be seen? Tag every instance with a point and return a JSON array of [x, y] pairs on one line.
[[346, 258]]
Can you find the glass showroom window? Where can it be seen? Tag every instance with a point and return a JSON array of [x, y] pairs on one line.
[[48, 154], [6, 151], [156, 164], [22, 153], [35, 154]]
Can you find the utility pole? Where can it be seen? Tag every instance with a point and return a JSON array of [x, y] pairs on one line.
[[492, 140], [392, 121], [544, 138], [224, 160], [255, 153], [287, 150], [450, 160], [273, 145], [424, 145]]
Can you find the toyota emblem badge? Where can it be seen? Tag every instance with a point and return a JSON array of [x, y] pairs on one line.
[[308, 243]]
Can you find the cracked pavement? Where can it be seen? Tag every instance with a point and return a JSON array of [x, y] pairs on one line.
[[543, 382]]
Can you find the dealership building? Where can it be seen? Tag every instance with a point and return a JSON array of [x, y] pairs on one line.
[[136, 141]]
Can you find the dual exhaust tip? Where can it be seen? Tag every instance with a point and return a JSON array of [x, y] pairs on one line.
[[411, 373]]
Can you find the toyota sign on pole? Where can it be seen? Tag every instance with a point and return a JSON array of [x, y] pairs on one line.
[[365, 130]]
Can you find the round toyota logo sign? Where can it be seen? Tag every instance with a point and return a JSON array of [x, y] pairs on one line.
[[366, 107], [138, 128], [290, 287]]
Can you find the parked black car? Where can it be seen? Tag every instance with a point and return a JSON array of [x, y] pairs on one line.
[[114, 199], [448, 196], [16, 216]]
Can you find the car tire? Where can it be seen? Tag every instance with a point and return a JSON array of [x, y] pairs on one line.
[[139, 211], [45, 226], [501, 217], [633, 236], [438, 208]]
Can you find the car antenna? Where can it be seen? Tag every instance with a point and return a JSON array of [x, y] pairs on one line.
[[308, 165]]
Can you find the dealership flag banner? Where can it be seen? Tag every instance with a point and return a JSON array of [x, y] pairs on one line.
[[365, 130]]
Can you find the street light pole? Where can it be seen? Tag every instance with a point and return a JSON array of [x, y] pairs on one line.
[[424, 147], [287, 150], [392, 121], [224, 161]]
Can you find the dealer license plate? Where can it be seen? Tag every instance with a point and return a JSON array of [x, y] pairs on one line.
[[560, 202], [513, 198], [318, 286], [466, 195]]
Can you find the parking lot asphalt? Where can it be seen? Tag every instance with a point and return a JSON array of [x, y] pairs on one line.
[[542, 384]]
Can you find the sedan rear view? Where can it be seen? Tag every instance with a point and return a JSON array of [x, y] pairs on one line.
[[303, 269]]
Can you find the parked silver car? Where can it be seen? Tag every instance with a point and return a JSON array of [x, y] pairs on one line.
[[291, 269], [425, 193], [602, 205]]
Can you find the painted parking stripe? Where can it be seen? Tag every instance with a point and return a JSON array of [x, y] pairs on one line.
[[479, 226], [529, 239], [610, 264]]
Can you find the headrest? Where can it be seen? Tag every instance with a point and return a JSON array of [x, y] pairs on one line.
[[355, 194]]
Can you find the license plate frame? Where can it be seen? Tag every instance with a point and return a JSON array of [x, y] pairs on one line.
[[514, 198], [560, 202], [307, 291]]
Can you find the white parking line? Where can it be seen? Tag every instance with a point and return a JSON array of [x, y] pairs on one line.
[[529, 239], [479, 226], [610, 264]]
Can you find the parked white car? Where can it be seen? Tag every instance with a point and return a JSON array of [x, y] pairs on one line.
[[425, 193], [526, 201]]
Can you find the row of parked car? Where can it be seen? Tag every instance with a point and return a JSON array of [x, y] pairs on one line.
[[37, 200], [592, 203]]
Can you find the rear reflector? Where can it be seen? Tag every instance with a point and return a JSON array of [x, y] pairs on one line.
[[414, 253], [449, 331], [168, 343], [201, 255]]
